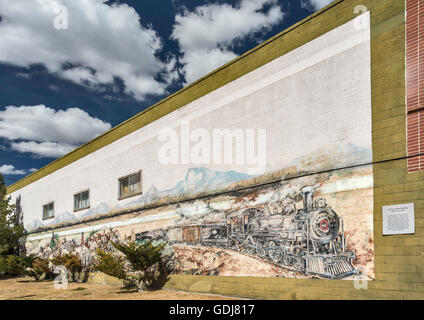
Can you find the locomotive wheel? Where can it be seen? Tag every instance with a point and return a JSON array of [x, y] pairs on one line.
[[287, 260], [231, 243], [249, 246], [298, 262], [260, 249], [274, 255]]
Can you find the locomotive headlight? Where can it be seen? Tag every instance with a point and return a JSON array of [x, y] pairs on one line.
[[324, 225]]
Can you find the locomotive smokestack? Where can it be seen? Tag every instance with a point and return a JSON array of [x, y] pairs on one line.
[[307, 198]]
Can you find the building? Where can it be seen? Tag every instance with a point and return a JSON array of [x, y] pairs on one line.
[[270, 171]]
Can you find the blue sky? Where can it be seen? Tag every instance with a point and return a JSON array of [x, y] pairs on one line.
[[70, 70]]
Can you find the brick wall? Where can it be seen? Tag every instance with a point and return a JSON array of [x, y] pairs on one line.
[[415, 84]]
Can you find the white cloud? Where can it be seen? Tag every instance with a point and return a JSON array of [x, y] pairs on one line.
[[32, 170], [104, 41], [46, 132], [23, 75], [9, 169], [315, 4], [207, 34], [52, 87], [111, 98], [44, 149]]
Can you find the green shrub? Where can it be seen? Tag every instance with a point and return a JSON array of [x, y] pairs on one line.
[[141, 265], [72, 263], [12, 266], [160, 275], [37, 267], [144, 259], [110, 264]]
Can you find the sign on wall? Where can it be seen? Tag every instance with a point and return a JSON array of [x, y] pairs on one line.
[[398, 219]]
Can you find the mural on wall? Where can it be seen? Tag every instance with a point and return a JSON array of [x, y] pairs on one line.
[[313, 226], [308, 213]]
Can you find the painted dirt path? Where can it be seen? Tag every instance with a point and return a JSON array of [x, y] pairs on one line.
[[217, 261]]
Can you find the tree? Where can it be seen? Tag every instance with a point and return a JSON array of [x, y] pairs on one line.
[[12, 232], [12, 235]]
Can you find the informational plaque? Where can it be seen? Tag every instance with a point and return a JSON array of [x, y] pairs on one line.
[[398, 219]]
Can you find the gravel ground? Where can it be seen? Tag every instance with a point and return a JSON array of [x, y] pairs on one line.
[[29, 289]]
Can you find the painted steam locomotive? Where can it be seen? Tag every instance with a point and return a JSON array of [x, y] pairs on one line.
[[309, 240]]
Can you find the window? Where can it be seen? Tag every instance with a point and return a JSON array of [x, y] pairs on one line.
[[48, 211], [130, 185], [82, 200]]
